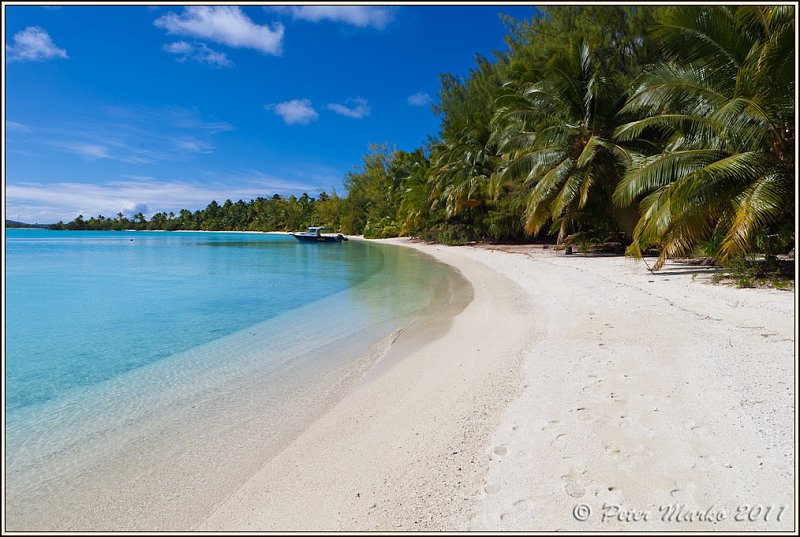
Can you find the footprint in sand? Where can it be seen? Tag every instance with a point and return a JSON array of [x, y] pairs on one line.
[[501, 451], [573, 486], [584, 414], [683, 492], [575, 490], [550, 424], [701, 431], [519, 507], [492, 488], [559, 441]]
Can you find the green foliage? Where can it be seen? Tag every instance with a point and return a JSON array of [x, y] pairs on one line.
[[747, 272], [451, 234], [719, 111], [554, 135], [384, 228], [744, 274], [262, 214], [668, 129], [466, 158]]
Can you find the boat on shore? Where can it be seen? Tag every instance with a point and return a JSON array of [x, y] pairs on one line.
[[314, 234]]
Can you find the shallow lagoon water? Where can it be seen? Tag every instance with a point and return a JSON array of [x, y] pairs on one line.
[[143, 360]]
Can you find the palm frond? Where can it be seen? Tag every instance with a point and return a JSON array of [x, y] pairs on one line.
[[762, 203]]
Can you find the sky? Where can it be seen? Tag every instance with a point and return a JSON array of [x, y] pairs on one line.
[[135, 108]]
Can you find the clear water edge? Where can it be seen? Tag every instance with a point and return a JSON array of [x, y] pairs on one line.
[[245, 386]]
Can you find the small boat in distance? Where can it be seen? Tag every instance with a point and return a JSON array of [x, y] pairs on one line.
[[314, 234]]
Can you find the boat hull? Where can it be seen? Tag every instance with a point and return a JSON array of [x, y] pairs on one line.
[[303, 238]]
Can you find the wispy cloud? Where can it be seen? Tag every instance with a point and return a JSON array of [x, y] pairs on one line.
[[178, 117], [227, 25], [51, 202], [17, 127], [33, 44], [419, 99], [358, 108], [87, 151], [359, 16], [295, 112], [193, 145], [198, 52], [134, 134]]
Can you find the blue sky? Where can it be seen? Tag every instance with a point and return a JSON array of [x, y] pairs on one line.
[[137, 108]]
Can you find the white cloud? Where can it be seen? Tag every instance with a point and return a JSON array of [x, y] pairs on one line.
[[420, 99], [193, 145], [360, 110], [165, 117], [17, 127], [33, 44], [199, 52], [86, 150], [51, 202], [133, 134], [359, 16], [295, 112], [224, 24], [179, 47]]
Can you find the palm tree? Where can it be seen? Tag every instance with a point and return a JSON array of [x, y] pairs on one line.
[[722, 107], [465, 159], [555, 136], [461, 169]]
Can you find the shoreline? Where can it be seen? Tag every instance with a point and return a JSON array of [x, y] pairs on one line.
[[557, 382], [403, 450], [566, 381], [185, 432]]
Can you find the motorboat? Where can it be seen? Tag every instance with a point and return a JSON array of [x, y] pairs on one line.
[[314, 234]]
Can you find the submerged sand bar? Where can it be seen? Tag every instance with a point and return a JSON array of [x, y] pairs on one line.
[[572, 393]]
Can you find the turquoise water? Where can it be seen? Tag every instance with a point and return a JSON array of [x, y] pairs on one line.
[[84, 307], [136, 360]]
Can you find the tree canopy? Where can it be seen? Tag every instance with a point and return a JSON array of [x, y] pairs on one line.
[[667, 129]]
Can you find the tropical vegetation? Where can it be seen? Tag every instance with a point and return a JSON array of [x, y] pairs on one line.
[[667, 130]]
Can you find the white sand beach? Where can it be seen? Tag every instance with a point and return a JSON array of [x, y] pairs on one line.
[[572, 393]]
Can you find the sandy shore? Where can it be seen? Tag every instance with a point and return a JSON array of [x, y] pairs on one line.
[[569, 388]]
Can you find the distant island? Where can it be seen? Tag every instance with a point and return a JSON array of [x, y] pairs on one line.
[[15, 224]]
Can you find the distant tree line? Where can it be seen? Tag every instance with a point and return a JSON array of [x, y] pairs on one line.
[[669, 129], [23, 225], [261, 214]]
